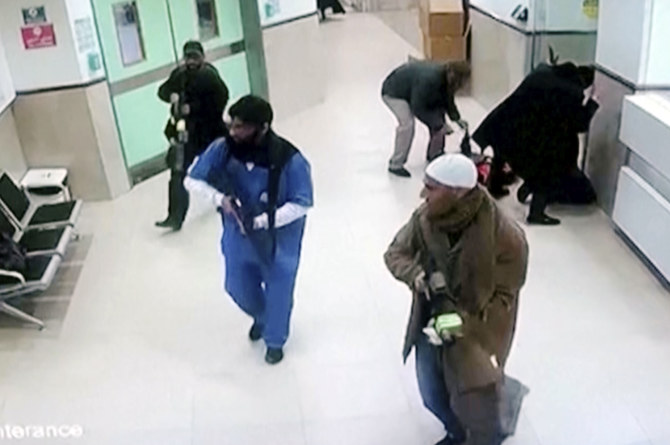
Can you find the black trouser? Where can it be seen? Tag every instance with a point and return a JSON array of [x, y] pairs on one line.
[[497, 180], [178, 197], [178, 200], [542, 192]]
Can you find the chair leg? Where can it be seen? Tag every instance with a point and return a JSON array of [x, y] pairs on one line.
[[16, 313]]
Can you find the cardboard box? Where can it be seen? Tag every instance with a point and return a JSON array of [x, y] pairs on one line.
[[440, 18], [446, 48]]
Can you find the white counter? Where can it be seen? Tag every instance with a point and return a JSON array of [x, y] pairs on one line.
[[642, 206]]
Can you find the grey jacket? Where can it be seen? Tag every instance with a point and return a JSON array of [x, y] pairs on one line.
[[424, 86]]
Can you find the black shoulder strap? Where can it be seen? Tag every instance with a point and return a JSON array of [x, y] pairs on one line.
[[280, 153]]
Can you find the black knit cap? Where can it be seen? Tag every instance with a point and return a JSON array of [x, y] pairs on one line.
[[193, 47], [252, 110]]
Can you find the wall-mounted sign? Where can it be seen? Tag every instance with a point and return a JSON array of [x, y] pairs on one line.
[[34, 16], [38, 36], [271, 8], [84, 35], [590, 8]]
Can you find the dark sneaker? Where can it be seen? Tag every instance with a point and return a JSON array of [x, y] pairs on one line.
[[169, 224], [165, 224], [256, 332], [401, 171], [543, 220], [274, 356], [450, 440]]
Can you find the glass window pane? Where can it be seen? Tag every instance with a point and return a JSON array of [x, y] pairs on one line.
[[207, 23], [128, 32]]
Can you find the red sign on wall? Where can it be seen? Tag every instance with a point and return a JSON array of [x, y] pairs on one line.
[[38, 36]]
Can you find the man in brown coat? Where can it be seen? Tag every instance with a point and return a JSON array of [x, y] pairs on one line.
[[465, 262]]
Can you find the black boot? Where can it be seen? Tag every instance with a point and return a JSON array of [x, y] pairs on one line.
[[256, 332], [169, 223], [400, 171], [274, 356], [537, 206], [166, 223]]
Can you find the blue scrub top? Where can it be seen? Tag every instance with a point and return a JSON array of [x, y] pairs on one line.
[[295, 186]]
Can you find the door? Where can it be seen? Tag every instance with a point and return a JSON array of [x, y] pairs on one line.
[[141, 43]]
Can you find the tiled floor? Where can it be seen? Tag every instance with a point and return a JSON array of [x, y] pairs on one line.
[[151, 352]]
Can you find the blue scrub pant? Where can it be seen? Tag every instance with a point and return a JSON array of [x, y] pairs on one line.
[[265, 294]]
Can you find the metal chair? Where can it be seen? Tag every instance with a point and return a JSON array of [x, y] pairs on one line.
[[28, 216], [38, 276]]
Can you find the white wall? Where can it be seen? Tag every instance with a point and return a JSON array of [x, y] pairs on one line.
[[633, 40], [503, 9], [544, 15], [567, 15], [288, 9], [78, 11], [657, 70], [622, 29], [60, 64], [6, 86]]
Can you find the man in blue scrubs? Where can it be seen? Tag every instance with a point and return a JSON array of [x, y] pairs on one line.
[[262, 186]]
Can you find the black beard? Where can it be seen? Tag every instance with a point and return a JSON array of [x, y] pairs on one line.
[[249, 151]]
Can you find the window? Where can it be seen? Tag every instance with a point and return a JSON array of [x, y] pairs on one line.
[[129, 33], [207, 23]]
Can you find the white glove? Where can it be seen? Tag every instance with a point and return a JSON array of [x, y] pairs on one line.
[[419, 284], [261, 222], [431, 333]]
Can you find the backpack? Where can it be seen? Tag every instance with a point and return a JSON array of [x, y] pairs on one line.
[[12, 256]]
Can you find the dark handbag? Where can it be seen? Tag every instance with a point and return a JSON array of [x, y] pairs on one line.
[[12, 255]]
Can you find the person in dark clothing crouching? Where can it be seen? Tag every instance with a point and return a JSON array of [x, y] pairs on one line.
[[423, 90], [198, 96], [536, 131]]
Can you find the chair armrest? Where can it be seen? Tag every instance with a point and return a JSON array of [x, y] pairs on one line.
[[16, 275]]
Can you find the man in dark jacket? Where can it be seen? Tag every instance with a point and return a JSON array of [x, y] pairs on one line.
[[535, 130], [199, 96], [424, 90]]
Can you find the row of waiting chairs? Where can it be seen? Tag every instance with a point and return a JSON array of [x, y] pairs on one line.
[[44, 231]]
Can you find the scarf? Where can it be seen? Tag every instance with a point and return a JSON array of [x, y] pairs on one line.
[[474, 217]]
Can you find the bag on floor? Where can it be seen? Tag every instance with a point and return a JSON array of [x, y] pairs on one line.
[[512, 395], [12, 256]]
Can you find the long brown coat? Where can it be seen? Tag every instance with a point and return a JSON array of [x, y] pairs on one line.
[[489, 326]]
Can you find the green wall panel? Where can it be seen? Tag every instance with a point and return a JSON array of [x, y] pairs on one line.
[[185, 23], [155, 28], [141, 118], [234, 72], [141, 115]]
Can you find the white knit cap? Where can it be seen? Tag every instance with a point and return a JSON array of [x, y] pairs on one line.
[[453, 170]]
